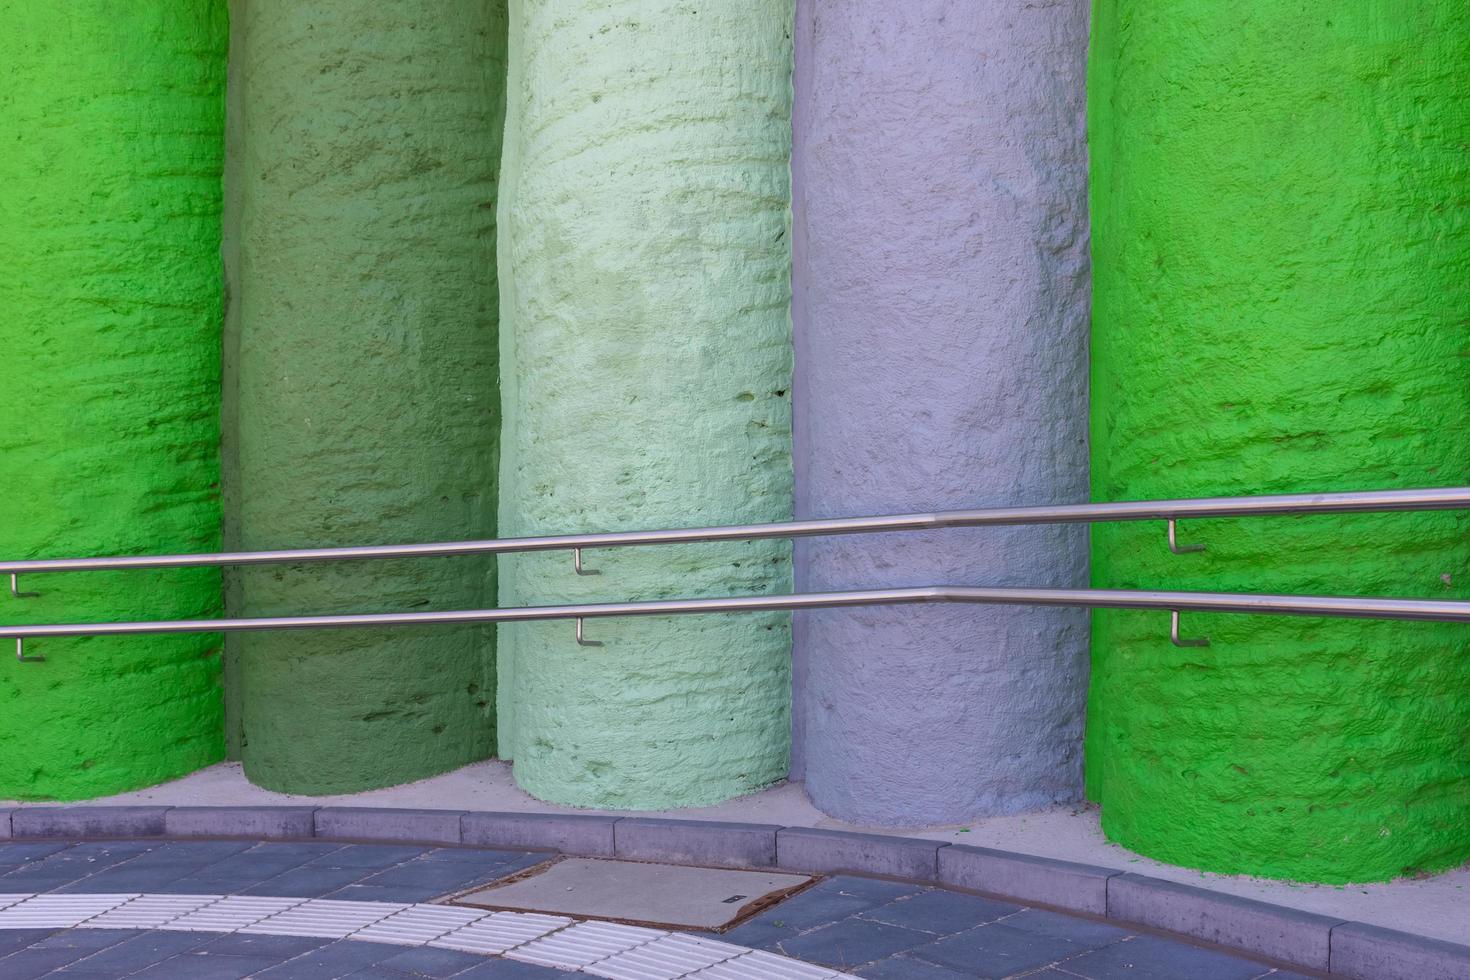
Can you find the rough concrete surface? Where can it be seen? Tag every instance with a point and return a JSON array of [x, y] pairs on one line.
[[112, 127], [1431, 906], [637, 891], [646, 355], [365, 404], [1282, 305], [940, 309]]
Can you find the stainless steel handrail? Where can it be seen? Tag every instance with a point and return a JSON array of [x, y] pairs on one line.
[[1430, 610], [1446, 498]]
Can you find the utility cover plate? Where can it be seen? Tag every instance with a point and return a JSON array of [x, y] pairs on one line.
[[648, 894]]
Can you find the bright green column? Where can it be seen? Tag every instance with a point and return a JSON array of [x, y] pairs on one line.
[[111, 141], [362, 384], [647, 366], [1282, 268]]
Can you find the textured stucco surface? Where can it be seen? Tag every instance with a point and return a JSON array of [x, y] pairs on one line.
[[940, 309], [112, 128], [646, 352], [1283, 304], [364, 401]]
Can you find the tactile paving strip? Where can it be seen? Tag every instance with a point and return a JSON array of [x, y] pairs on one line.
[[231, 914], [501, 932], [584, 944], [764, 966], [324, 919], [665, 959], [149, 911], [419, 925], [58, 911], [603, 949]]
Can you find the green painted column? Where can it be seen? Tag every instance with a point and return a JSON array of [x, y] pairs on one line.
[[647, 364], [112, 128], [1282, 304], [362, 394]]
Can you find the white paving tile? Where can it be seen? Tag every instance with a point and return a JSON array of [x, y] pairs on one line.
[[665, 959], [149, 911], [58, 911], [584, 944], [418, 925], [764, 966], [500, 932], [324, 918], [13, 899], [231, 914]]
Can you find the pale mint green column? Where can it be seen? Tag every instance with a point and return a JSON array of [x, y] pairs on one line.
[[646, 368]]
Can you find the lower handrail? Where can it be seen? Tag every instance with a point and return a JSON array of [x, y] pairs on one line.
[[1432, 610]]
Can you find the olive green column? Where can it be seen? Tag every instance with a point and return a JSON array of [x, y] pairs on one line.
[[362, 394], [1282, 304], [647, 371], [111, 141]]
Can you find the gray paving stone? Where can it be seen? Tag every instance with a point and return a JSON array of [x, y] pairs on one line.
[[27, 964], [940, 912], [765, 932], [250, 944], [995, 951], [384, 893], [586, 835], [809, 849], [382, 824], [1064, 884], [256, 822], [1365, 952], [141, 950], [338, 959], [1292, 936], [422, 874], [498, 969], [827, 902], [15, 939], [307, 881], [202, 966], [24, 852], [477, 857], [5, 822], [76, 864], [87, 821], [86, 939], [1152, 958], [875, 890], [730, 845], [369, 857], [904, 967], [262, 862], [429, 962], [853, 942], [125, 878], [1083, 932]]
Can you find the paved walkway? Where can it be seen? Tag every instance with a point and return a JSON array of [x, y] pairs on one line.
[[200, 910], [1432, 906]]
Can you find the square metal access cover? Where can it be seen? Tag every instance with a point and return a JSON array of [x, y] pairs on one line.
[[647, 894]]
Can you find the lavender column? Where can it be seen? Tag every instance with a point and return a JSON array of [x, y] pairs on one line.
[[940, 312]]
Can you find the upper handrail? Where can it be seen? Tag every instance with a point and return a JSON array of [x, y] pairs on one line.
[[1444, 498]]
